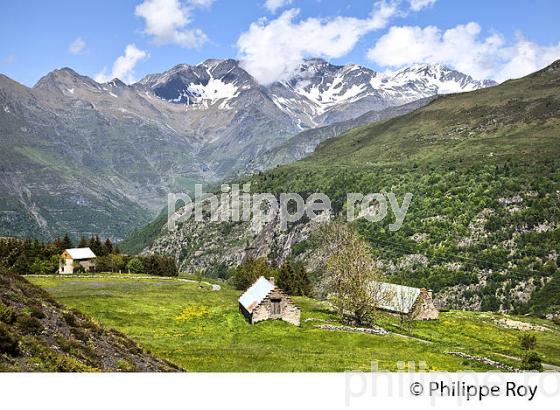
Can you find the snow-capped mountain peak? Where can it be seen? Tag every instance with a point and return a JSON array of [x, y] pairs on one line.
[[318, 93], [212, 82], [438, 78]]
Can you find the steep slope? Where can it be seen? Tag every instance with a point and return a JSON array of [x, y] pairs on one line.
[[303, 144], [39, 334], [228, 113], [75, 160], [483, 229], [518, 117], [83, 157]]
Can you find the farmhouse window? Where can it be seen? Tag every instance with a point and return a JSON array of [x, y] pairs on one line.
[[276, 307]]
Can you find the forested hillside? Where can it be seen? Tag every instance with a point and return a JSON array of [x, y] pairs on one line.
[[483, 227]]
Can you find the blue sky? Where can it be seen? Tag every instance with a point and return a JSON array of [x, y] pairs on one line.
[[504, 39]]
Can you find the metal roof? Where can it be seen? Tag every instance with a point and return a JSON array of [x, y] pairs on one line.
[[80, 253], [395, 298], [255, 294]]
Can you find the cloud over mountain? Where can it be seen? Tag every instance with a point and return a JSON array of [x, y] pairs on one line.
[[123, 68], [463, 48], [272, 50]]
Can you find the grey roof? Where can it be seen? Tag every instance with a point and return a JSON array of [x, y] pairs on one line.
[[255, 294], [395, 298]]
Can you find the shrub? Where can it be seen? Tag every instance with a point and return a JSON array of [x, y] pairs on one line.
[[7, 314], [527, 342], [532, 361], [44, 266], [8, 343], [135, 265], [28, 324], [78, 268], [160, 265]]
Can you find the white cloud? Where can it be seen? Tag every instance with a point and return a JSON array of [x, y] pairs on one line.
[[417, 5], [274, 5], [462, 48], [271, 50], [123, 68], [167, 21], [9, 59], [77, 46], [201, 3]]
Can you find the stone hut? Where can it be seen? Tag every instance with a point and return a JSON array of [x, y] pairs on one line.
[[415, 303], [83, 256], [264, 301]]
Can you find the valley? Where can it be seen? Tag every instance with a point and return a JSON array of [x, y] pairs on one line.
[[111, 152]]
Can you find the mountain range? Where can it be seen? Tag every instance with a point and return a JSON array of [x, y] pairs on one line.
[[84, 157]]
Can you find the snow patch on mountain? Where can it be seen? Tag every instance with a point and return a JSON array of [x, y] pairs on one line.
[[330, 94], [209, 94], [424, 80]]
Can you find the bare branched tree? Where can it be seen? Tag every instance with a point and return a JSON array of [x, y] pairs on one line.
[[350, 275]]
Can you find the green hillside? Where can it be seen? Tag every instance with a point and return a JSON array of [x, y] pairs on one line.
[[483, 229], [202, 330], [485, 174]]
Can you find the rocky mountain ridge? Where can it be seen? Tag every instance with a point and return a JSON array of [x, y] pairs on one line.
[[84, 157]]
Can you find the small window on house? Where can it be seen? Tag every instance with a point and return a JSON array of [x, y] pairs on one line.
[[276, 307]]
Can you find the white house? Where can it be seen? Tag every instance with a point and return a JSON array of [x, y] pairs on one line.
[[84, 256]]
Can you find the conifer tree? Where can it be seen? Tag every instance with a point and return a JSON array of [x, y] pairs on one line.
[[66, 242], [108, 247]]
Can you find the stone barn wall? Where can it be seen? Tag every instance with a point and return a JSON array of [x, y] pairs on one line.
[[289, 312], [424, 308], [88, 265]]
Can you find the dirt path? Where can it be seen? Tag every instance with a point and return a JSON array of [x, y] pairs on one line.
[[546, 366]]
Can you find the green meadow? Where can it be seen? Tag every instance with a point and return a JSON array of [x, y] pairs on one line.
[[201, 330]]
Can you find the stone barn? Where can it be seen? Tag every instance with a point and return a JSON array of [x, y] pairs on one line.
[[83, 256], [414, 303], [264, 301]]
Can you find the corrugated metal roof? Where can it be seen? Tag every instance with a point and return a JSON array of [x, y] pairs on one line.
[[80, 253], [255, 294], [396, 298]]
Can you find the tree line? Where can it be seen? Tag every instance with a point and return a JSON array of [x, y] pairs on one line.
[[31, 256], [291, 276]]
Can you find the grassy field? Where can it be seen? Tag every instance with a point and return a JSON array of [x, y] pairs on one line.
[[202, 330]]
